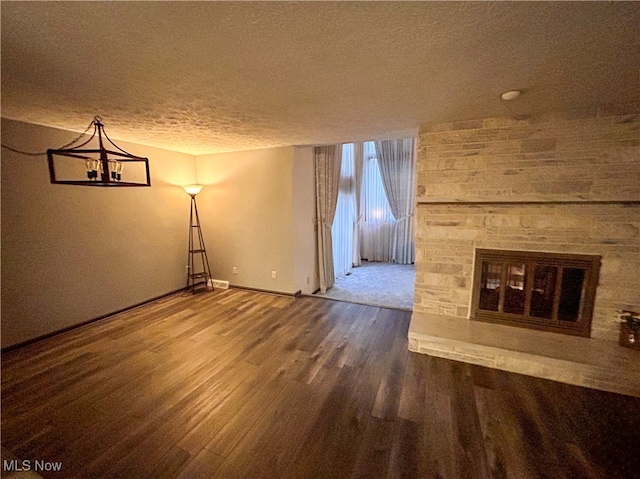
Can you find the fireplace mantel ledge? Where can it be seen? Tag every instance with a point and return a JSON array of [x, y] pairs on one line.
[[593, 363]]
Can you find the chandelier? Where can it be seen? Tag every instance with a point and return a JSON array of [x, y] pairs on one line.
[[100, 165]]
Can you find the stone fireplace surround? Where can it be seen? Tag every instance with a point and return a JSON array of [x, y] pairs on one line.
[[562, 183]]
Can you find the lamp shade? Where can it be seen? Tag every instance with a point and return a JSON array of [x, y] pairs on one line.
[[193, 190]]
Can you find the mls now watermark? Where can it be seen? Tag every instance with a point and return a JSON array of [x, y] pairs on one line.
[[16, 465]]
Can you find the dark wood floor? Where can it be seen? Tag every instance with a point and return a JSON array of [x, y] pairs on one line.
[[238, 384]]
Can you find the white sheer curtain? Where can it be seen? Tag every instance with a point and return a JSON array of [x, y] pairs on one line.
[[358, 163], [342, 230], [377, 229], [327, 162], [396, 159], [373, 209]]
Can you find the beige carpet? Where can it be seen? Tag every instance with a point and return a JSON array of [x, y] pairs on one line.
[[386, 285]]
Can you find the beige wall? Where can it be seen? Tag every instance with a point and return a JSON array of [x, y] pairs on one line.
[[305, 252], [71, 253], [574, 156], [252, 218]]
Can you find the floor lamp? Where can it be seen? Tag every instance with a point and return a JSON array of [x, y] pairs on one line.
[[198, 271]]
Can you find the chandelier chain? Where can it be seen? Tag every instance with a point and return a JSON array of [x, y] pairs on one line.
[[97, 118]]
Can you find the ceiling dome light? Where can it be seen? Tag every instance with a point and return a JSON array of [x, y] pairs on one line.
[[511, 94]]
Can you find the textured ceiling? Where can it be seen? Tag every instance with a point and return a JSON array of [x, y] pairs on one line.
[[205, 77]]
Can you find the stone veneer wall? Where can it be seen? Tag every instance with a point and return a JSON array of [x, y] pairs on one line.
[[566, 182]]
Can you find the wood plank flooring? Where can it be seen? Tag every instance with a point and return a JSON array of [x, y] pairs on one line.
[[238, 384]]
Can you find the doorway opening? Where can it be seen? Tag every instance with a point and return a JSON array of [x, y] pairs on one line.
[[372, 230]]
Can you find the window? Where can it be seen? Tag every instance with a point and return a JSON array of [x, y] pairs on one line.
[[375, 204], [548, 291], [345, 216], [377, 226], [364, 227]]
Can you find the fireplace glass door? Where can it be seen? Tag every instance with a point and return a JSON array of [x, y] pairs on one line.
[[548, 291]]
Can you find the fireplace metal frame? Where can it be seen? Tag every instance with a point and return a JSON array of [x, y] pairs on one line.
[[580, 327]]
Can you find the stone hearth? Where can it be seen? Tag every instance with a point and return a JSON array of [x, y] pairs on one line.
[[594, 363]]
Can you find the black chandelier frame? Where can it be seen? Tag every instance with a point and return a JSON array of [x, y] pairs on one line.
[[104, 174]]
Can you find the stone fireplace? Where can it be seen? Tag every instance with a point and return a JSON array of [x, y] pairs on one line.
[[565, 184]]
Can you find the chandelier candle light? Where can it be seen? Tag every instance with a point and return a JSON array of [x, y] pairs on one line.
[[102, 166]]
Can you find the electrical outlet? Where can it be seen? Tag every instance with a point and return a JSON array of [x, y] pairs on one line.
[[235, 270], [274, 275], [308, 280]]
